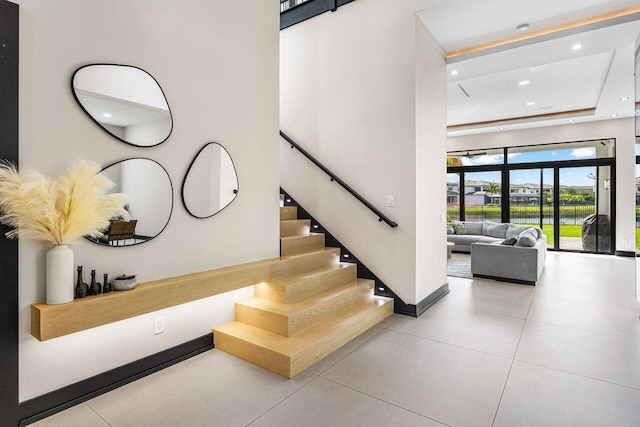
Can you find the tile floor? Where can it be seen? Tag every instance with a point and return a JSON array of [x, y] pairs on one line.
[[563, 353]]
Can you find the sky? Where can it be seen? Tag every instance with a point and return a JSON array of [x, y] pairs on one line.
[[568, 176]]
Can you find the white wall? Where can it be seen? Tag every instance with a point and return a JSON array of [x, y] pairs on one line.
[[620, 129], [348, 96], [218, 65]]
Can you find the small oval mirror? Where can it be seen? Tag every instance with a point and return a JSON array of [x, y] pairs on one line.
[[125, 101], [211, 183], [150, 191]]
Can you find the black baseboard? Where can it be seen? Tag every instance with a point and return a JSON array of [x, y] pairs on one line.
[[504, 279], [56, 401], [629, 254], [431, 299]]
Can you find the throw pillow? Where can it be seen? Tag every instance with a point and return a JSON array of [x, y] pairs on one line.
[[494, 229], [527, 238], [459, 228], [450, 229], [509, 241]]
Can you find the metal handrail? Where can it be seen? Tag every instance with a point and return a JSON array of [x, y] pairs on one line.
[[354, 193]]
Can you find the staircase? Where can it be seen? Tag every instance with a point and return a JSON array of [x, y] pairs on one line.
[[295, 321]]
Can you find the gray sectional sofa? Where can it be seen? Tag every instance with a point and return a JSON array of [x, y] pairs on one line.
[[501, 251]]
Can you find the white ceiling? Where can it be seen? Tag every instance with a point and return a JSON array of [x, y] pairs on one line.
[[122, 113], [595, 76]]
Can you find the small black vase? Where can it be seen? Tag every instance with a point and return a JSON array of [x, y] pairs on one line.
[[106, 288], [81, 288], [95, 287]]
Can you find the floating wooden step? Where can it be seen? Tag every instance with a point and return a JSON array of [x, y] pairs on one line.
[[325, 257], [295, 227], [297, 287], [301, 244], [289, 319], [288, 213], [288, 356]]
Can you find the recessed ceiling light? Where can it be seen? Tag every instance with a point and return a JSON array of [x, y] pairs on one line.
[[83, 98], [107, 115], [522, 28], [524, 82], [624, 98], [576, 46], [454, 72], [500, 128], [570, 120], [614, 115], [530, 103]]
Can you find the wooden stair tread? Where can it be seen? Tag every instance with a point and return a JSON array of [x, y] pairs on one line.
[[305, 236], [361, 285], [311, 274], [291, 346], [288, 212], [335, 251]]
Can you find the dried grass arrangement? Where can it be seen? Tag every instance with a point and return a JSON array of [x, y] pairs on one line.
[[60, 210]]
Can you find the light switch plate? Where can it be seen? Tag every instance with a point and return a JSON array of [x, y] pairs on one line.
[[391, 201]]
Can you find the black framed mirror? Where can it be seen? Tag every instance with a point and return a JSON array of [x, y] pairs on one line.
[[125, 101], [211, 182], [149, 187]]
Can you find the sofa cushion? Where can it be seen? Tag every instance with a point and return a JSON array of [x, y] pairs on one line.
[[462, 239], [527, 238], [488, 239], [494, 229], [474, 227], [515, 230]]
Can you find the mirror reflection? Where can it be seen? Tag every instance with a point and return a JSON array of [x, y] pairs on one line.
[[125, 101], [150, 201], [211, 183]]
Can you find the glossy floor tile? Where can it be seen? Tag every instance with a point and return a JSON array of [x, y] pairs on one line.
[[213, 388], [593, 317], [542, 397], [563, 353], [325, 403], [77, 416], [506, 299], [440, 381], [476, 330], [593, 354]]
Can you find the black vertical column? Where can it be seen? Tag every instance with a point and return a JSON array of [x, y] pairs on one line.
[[9, 25]]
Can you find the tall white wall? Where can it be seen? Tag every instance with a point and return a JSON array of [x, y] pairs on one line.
[[620, 129], [348, 96], [217, 63]]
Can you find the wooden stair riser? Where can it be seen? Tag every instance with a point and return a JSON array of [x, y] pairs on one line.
[[301, 244], [288, 356], [291, 291], [288, 213], [290, 319], [298, 227]]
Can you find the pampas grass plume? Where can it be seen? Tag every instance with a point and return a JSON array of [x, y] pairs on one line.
[[61, 210]]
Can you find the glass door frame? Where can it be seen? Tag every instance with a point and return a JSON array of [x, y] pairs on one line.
[[505, 168]]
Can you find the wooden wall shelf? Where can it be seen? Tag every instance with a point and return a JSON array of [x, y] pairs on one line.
[[52, 321]]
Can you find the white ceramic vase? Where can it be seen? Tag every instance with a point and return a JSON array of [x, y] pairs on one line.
[[59, 275]]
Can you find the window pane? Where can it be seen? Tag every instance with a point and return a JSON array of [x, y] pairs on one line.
[[475, 158], [482, 196], [567, 151], [453, 196]]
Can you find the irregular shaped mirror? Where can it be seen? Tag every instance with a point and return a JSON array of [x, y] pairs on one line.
[[150, 191], [211, 183], [125, 101]]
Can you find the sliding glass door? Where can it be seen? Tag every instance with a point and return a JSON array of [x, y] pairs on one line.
[[531, 199]]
